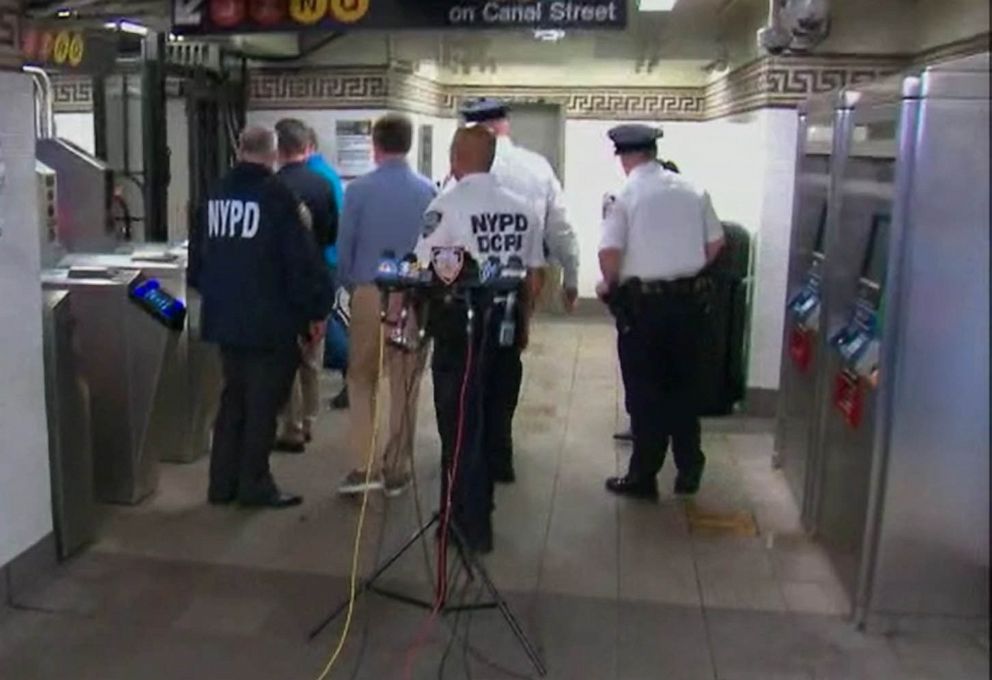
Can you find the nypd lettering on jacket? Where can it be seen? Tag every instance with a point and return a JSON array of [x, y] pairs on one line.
[[231, 218], [485, 219], [500, 232]]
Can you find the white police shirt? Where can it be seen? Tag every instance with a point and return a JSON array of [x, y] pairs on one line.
[[661, 222], [529, 174], [484, 218]]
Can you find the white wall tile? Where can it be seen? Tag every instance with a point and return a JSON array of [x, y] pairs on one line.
[[25, 492]]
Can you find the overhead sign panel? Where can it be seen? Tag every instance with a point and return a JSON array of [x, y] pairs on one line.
[[59, 46], [254, 16]]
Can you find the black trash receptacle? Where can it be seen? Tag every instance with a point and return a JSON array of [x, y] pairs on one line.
[[723, 362]]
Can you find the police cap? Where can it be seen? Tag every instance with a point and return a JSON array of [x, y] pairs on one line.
[[631, 138], [483, 109]]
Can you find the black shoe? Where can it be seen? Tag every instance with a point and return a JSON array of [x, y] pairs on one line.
[[341, 401], [277, 500], [625, 436], [507, 476], [687, 484], [635, 488], [286, 446]]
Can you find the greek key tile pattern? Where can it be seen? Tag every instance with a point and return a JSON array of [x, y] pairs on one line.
[[319, 88], [73, 94], [10, 47]]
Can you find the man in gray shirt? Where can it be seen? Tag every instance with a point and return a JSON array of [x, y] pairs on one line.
[[384, 210]]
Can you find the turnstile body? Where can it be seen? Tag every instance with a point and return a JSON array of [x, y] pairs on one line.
[[121, 350], [70, 444], [190, 384]]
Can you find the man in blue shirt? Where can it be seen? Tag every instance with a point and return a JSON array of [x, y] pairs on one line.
[[337, 345], [384, 210]]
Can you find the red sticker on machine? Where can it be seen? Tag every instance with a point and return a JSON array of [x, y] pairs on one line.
[[801, 347], [849, 398]]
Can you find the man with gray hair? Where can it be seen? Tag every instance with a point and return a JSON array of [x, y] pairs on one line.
[[263, 287]]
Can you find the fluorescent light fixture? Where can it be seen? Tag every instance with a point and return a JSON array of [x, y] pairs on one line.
[[656, 5], [549, 34], [63, 13], [127, 27]]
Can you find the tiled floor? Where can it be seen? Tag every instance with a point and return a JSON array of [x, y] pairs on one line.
[[607, 588]]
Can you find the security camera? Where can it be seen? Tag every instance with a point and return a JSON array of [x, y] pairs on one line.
[[774, 40]]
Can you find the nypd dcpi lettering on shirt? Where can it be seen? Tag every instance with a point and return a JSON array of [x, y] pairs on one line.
[[230, 218], [499, 232]]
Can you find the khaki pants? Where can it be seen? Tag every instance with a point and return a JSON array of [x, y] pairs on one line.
[[300, 412], [404, 369]]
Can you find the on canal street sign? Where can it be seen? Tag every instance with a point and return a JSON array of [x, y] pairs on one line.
[[255, 16]]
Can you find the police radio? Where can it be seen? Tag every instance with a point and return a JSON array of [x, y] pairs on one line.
[[505, 280]]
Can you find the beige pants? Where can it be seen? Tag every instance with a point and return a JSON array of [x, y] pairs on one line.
[[300, 413], [405, 369]]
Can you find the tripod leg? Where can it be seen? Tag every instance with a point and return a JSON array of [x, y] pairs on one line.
[[503, 606], [367, 583]]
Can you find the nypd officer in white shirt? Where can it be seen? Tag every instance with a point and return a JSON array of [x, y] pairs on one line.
[[530, 176], [659, 233], [473, 385]]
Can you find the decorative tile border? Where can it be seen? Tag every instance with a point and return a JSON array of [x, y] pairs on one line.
[[785, 82], [764, 83], [10, 42], [73, 94]]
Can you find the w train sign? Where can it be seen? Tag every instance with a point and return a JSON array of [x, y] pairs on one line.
[[254, 16]]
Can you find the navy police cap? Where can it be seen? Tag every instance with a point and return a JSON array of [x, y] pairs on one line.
[[481, 110], [629, 138]]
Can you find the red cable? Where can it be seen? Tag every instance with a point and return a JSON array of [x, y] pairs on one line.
[[441, 587]]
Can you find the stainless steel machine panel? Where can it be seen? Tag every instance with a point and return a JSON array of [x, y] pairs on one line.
[[74, 508], [190, 386], [929, 553], [822, 152], [855, 276], [799, 362], [121, 354], [85, 189]]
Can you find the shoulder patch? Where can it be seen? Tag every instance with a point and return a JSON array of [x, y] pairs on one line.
[[431, 221]]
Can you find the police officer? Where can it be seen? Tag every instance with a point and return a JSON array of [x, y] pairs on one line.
[[473, 382], [659, 233], [530, 176], [264, 287]]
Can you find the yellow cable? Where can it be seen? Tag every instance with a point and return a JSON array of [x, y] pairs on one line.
[[353, 587]]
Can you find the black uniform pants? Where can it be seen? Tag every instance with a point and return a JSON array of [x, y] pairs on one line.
[[256, 387], [475, 396], [658, 360]]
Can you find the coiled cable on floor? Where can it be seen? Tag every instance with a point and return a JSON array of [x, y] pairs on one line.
[[356, 553]]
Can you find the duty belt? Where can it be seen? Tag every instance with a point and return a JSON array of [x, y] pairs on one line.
[[687, 286]]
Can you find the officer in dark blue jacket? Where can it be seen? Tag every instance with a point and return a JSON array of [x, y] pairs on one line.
[[264, 288]]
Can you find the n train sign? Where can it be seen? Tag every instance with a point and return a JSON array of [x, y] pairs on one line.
[[203, 17]]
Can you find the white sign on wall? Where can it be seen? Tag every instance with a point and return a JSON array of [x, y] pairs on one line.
[[353, 141]]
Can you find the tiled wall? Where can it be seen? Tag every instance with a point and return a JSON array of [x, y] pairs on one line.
[[25, 502]]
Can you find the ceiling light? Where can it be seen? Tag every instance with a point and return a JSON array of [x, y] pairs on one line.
[[63, 13], [656, 5], [549, 34], [127, 27]]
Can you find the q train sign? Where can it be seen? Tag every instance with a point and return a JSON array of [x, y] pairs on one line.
[[203, 17]]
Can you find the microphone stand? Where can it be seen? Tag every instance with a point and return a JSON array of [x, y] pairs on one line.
[[406, 278]]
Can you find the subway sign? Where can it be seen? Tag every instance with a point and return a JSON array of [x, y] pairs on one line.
[[201, 17], [63, 48]]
